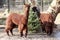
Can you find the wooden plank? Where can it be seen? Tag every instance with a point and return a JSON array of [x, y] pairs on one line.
[[2, 18], [2, 26]]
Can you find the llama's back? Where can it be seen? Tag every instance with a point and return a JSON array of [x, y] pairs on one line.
[[46, 17], [12, 18], [16, 18]]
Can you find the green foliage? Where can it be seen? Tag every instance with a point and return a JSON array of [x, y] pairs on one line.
[[33, 22]]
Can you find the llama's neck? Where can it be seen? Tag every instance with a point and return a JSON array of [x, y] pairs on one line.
[[54, 15], [26, 12], [52, 10]]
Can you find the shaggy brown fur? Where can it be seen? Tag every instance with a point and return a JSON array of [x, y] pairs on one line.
[[47, 22], [16, 19]]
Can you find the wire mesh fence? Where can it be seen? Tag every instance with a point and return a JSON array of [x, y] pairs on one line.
[[17, 6]]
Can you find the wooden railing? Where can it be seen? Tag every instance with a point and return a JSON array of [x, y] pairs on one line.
[[2, 26], [2, 18]]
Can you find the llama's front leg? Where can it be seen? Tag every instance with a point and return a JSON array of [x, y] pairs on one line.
[[43, 28], [47, 29], [11, 31], [20, 28], [51, 31], [25, 31], [7, 31], [21, 34]]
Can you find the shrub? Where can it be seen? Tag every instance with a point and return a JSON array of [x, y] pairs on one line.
[[33, 22]]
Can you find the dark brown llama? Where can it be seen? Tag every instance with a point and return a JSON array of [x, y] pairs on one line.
[[17, 19], [47, 18], [47, 23]]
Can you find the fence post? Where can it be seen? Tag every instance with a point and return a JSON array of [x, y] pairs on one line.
[[8, 6], [24, 2], [42, 4]]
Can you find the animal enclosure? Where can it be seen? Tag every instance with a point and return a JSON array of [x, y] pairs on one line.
[[17, 6], [34, 26]]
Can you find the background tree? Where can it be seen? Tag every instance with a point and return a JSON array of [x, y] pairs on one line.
[[33, 22]]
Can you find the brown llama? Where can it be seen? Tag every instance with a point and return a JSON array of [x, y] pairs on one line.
[[47, 23], [47, 18], [17, 19]]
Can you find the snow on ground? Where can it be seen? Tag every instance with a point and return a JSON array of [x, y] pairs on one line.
[[54, 36]]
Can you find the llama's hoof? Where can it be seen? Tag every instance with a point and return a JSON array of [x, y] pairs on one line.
[[13, 35], [25, 36], [21, 35], [49, 34], [8, 35]]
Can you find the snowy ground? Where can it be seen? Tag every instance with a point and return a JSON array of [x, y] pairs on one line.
[[39, 36]]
